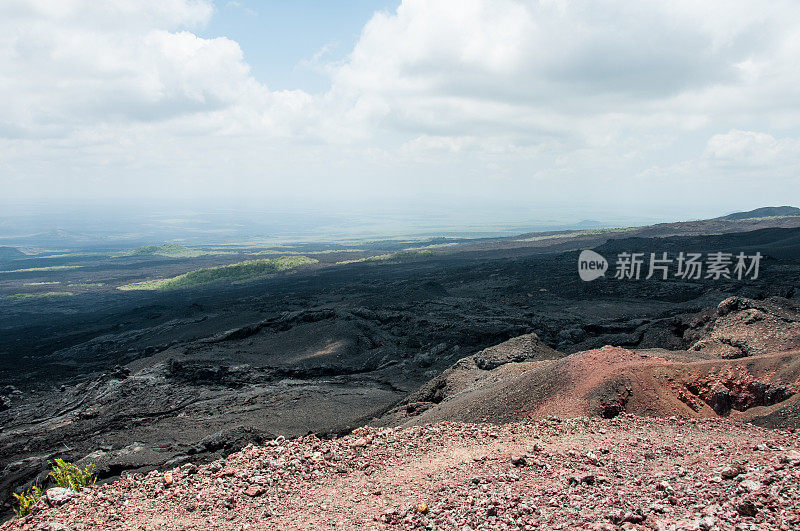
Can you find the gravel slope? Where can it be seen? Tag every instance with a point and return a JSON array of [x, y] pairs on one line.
[[628, 472]]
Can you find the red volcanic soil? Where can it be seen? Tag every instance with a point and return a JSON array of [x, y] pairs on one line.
[[608, 381], [611, 380], [741, 361], [623, 473]]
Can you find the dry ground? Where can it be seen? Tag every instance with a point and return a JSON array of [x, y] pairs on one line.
[[628, 472]]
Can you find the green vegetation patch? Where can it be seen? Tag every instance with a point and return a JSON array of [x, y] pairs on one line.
[[26, 501], [274, 252], [575, 234], [40, 283], [239, 272], [66, 475], [86, 285], [48, 268], [172, 250], [47, 295], [389, 256], [332, 251], [432, 246], [77, 254], [284, 252], [71, 476]]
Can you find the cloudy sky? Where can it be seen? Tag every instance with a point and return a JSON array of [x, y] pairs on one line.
[[645, 106]]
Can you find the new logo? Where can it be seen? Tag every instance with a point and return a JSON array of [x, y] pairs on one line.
[[591, 265]]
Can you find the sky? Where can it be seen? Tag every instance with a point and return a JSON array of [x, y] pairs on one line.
[[657, 109]]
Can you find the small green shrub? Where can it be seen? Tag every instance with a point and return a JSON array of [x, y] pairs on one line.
[[27, 500], [71, 476]]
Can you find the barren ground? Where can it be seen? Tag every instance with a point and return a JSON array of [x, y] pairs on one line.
[[139, 381], [628, 472]]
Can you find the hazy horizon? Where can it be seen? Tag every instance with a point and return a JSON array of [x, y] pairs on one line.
[[225, 222]]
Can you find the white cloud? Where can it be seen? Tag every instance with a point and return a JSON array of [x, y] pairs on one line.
[[239, 5], [505, 63], [62, 74], [748, 148], [554, 97], [109, 15]]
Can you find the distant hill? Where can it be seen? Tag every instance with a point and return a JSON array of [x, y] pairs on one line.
[[11, 253], [764, 212]]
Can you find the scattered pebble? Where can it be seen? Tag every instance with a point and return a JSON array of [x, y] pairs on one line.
[[375, 477]]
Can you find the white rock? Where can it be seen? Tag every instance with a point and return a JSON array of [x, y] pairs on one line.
[[58, 496], [750, 485], [666, 487], [792, 457], [707, 522], [51, 526]]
